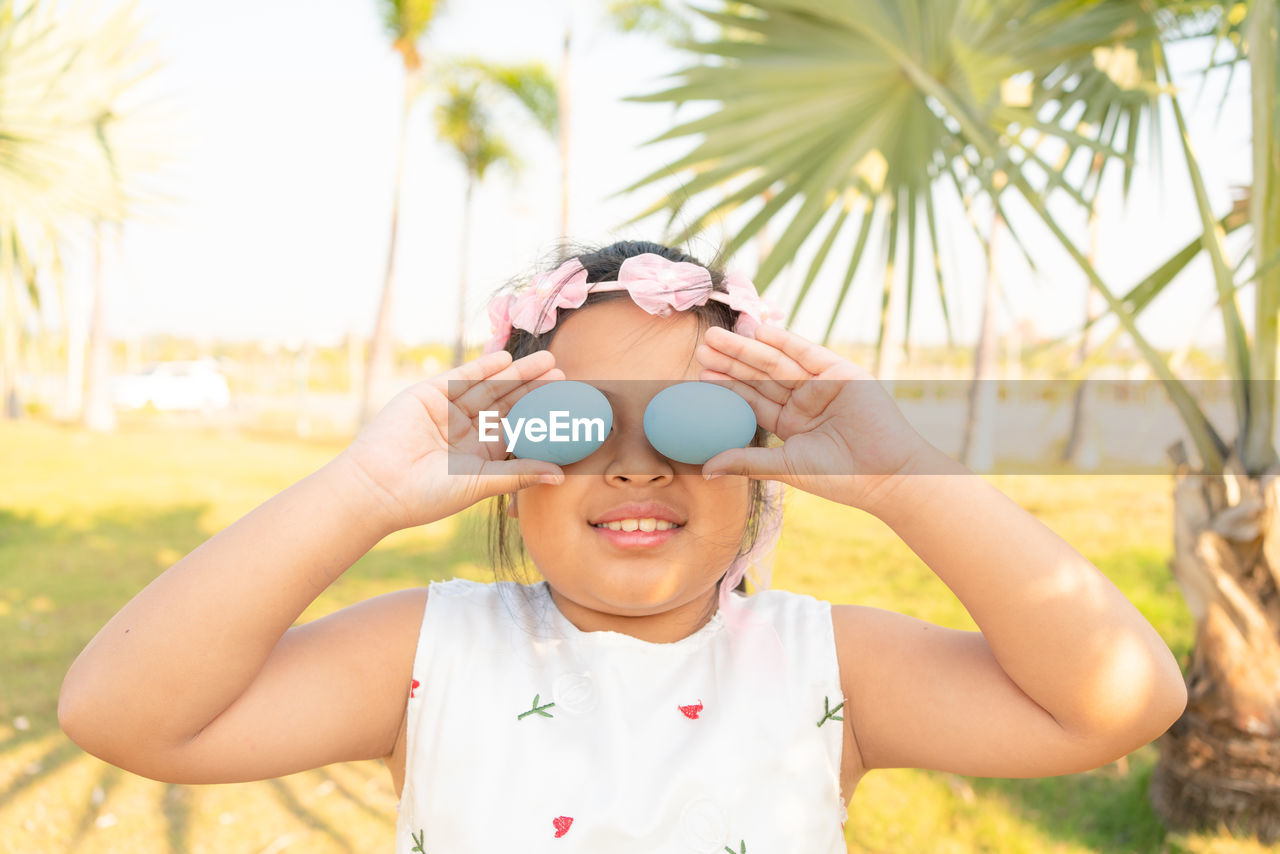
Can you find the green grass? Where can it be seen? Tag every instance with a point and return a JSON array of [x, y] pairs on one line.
[[87, 521]]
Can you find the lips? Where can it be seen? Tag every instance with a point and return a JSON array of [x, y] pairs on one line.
[[638, 539], [640, 510]]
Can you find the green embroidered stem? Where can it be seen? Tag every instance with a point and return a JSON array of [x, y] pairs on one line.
[[420, 838], [830, 713], [539, 710], [742, 850]]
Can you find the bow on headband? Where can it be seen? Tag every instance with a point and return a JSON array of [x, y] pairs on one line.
[[657, 285]]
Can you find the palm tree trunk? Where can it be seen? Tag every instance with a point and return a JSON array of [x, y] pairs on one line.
[[1081, 448], [887, 356], [302, 427], [378, 367], [565, 99], [71, 408], [12, 407], [459, 351], [99, 414], [1220, 762], [977, 449], [763, 244]]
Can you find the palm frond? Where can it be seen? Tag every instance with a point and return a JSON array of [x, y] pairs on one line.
[[74, 147], [804, 91]]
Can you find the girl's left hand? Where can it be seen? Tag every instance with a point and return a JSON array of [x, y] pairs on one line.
[[843, 436]]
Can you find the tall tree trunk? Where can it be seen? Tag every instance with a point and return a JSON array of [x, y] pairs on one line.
[[1081, 448], [99, 411], [1220, 762], [977, 448], [887, 353], [565, 104], [74, 333], [301, 384], [459, 351], [763, 244], [12, 406], [379, 365]]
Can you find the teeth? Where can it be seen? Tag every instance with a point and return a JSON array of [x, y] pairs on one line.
[[647, 524]]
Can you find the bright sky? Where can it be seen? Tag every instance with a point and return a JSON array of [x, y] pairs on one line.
[[284, 139]]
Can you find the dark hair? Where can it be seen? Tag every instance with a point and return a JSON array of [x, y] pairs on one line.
[[602, 265]]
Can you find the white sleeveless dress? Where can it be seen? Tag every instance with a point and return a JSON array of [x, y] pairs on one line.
[[527, 734]]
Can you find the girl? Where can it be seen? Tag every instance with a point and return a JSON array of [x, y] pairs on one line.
[[633, 700]]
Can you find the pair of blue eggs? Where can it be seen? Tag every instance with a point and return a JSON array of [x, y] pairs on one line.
[[689, 422]]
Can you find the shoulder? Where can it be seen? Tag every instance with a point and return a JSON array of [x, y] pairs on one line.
[[457, 587], [481, 593], [803, 626], [782, 607], [780, 599], [463, 604]]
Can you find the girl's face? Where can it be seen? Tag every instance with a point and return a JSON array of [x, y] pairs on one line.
[[656, 592]]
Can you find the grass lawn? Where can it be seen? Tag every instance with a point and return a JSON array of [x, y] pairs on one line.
[[87, 521]]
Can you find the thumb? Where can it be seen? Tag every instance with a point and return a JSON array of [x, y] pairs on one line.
[[748, 462], [497, 476]]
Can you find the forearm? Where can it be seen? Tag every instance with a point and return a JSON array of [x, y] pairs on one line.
[[1058, 627], [189, 644]]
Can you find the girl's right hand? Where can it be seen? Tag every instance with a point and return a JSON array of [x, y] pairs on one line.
[[422, 453]]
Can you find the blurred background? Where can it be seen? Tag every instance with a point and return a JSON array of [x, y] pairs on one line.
[[228, 235]]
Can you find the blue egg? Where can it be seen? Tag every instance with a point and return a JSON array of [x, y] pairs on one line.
[[692, 422], [561, 422]]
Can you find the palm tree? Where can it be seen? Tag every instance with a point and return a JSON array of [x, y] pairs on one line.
[[405, 23], [69, 160], [465, 121], [860, 113], [654, 17], [1219, 760]]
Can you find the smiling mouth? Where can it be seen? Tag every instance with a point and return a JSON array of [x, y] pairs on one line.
[[641, 524]]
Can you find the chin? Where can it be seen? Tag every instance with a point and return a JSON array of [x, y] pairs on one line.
[[656, 591], [636, 588]]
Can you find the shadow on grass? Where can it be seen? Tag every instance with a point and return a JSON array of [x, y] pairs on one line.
[[176, 804], [1105, 810], [354, 799], [61, 581], [109, 777], [309, 817]]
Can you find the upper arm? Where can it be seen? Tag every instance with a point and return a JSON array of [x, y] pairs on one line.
[[332, 690], [922, 696]]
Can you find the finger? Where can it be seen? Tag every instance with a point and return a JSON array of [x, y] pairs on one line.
[[478, 368], [756, 354], [481, 392], [767, 411], [725, 365], [463, 424], [755, 463], [812, 357], [814, 397], [499, 476], [504, 403]]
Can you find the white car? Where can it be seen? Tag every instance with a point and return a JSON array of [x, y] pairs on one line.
[[173, 386]]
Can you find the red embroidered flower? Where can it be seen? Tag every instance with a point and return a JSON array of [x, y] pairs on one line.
[[562, 824], [691, 712], [414, 687]]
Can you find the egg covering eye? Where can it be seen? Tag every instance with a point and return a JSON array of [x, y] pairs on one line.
[[692, 422], [561, 422]]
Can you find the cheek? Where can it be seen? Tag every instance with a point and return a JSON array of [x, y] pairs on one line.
[[546, 514], [726, 505]]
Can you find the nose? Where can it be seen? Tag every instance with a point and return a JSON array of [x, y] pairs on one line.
[[632, 460]]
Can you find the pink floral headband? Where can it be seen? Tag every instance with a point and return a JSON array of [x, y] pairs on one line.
[[657, 285]]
